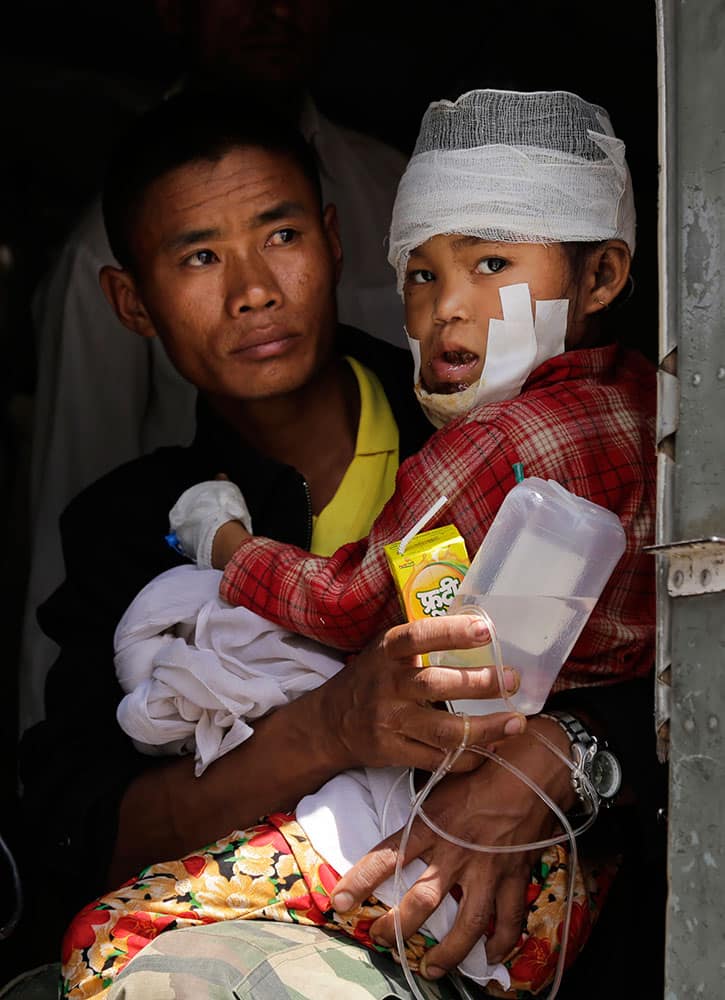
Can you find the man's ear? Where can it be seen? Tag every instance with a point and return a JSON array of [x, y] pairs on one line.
[[120, 289], [332, 230], [606, 274]]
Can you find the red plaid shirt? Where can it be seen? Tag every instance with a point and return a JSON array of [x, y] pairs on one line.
[[585, 419]]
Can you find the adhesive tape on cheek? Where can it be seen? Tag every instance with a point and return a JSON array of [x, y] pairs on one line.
[[511, 348], [414, 346], [550, 328], [510, 355], [518, 344], [516, 304]]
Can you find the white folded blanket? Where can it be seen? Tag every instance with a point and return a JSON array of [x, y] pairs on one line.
[[195, 670]]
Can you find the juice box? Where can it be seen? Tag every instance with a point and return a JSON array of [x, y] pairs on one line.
[[428, 574]]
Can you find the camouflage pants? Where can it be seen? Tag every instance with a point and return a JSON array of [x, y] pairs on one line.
[[262, 960]]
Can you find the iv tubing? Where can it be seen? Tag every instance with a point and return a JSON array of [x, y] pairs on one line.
[[444, 768]]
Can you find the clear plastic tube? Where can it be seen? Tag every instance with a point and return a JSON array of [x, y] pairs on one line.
[[416, 812]]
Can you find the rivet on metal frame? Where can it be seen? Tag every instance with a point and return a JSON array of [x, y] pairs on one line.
[[695, 566]]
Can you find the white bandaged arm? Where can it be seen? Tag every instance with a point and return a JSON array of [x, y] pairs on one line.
[[199, 513]]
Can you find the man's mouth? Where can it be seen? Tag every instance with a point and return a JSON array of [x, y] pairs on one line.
[[265, 343]]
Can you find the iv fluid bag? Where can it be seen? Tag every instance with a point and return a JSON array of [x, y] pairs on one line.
[[538, 573]]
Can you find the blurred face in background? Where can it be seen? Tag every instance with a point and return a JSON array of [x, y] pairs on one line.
[[250, 41]]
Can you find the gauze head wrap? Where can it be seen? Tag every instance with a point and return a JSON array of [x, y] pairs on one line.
[[542, 167]]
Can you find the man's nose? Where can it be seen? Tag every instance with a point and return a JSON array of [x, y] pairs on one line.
[[252, 285]]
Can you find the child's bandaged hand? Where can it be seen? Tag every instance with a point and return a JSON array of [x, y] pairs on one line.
[[199, 513]]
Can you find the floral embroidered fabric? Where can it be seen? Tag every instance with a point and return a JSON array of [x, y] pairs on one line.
[[272, 872]]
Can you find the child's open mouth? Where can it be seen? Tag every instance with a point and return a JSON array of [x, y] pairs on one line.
[[453, 371]]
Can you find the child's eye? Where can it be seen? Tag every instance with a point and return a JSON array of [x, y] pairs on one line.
[[490, 265], [419, 277], [283, 236], [200, 258]]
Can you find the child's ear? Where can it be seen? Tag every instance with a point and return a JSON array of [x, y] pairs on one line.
[[120, 289], [605, 276]]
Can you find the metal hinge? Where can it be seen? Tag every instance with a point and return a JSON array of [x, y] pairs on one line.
[[695, 566]]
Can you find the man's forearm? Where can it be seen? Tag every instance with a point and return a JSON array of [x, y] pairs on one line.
[[167, 812]]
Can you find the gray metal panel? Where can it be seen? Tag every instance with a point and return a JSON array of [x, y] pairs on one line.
[[668, 395], [693, 314]]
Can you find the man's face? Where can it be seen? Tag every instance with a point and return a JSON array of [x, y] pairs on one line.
[[275, 41], [236, 270], [452, 291]]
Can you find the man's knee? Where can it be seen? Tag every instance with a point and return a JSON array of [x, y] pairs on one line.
[[261, 960]]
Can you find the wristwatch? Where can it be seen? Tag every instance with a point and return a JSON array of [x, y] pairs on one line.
[[592, 758]]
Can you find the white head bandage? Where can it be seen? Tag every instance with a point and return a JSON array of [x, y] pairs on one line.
[[541, 167]]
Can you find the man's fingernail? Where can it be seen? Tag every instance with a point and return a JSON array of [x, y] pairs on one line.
[[510, 679], [342, 901], [431, 971], [514, 726], [480, 629]]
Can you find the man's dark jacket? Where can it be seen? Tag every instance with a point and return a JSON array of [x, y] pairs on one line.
[[76, 765]]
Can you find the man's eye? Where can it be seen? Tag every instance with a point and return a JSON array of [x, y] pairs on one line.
[[490, 265], [283, 236], [420, 277], [200, 258]]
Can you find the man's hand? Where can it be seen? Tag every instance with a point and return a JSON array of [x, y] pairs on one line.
[[380, 706], [489, 806]]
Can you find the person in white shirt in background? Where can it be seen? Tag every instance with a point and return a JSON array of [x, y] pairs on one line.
[[101, 399]]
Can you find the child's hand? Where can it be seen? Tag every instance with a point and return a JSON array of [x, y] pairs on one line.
[[201, 511]]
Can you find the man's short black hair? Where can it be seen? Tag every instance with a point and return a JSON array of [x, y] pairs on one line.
[[184, 129]]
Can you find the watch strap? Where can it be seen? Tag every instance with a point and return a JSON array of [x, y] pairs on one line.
[[583, 748]]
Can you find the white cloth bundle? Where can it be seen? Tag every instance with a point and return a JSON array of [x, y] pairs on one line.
[[195, 669]]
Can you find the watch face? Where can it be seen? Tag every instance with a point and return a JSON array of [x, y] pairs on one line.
[[606, 774]]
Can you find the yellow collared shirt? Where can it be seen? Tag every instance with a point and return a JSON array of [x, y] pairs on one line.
[[370, 478]]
